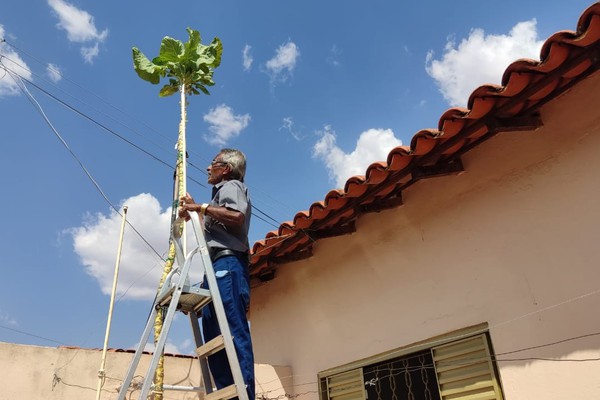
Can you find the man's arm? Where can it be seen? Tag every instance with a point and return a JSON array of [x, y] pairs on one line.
[[225, 215]]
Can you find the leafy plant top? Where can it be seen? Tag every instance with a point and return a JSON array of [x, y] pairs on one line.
[[189, 64]]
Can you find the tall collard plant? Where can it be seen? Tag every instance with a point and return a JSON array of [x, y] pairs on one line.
[[189, 68]]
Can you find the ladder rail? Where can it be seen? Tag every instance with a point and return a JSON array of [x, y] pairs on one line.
[[137, 356], [199, 340], [182, 267], [162, 338], [217, 302], [150, 322]]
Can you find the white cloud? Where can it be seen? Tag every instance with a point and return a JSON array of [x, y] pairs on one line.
[[334, 55], [53, 72], [89, 53], [480, 59], [96, 242], [288, 125], [12, 61], [6, 319], [80, 27], [170, 347], [282, 65], [247, 58], [224, 124], [372, 145]]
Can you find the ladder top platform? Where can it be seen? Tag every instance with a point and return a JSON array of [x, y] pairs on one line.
[[191, 299]]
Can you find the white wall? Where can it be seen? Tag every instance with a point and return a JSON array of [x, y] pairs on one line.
[[513, 241], [63, 373]]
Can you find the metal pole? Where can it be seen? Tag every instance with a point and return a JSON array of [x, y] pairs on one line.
[[101, 373]]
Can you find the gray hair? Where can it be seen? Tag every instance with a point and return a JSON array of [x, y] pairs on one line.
[[237, 161]]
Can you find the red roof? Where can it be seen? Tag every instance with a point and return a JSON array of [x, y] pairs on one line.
[[566, 58]]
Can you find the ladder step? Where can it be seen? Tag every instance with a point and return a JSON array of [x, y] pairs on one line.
[[211, 347], [223, 394], [191, 299]]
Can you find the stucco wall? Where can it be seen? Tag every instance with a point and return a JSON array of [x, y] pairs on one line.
[[50, 373], [33, 373], [513, 241]]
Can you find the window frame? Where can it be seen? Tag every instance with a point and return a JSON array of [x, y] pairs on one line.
[[427, 344]]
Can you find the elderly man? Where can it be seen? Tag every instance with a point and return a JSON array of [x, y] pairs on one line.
[[226, 224]]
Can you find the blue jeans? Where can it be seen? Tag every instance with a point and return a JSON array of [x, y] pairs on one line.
[[234, 286]]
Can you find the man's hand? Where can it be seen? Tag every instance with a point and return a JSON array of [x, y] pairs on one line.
[[186, 203]]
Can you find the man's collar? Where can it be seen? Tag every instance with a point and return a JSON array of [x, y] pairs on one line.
[[218, 185]]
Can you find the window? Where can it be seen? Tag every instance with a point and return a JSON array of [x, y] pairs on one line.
[[346, 386], [453, 367]]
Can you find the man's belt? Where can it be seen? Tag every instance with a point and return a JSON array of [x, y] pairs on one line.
[[217, 253]]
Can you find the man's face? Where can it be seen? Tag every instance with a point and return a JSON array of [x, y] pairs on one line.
[[217, 170]]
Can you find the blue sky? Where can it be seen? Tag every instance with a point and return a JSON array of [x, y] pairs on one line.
[[312, 92]]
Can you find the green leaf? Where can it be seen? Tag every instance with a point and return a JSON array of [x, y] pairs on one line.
[[168, 90], [218, 49], [146, 69], [192, 44], [202, 88], [171, 50]]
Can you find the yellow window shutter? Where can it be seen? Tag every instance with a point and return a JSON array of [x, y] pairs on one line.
[[346, 386], [465, 370]]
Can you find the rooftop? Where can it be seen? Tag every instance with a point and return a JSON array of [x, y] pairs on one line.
[[566, 58]]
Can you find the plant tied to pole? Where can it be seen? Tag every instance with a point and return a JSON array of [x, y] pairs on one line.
[[190, 64], [189, 68]]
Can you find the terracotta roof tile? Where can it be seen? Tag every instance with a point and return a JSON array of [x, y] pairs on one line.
[[565, 58]]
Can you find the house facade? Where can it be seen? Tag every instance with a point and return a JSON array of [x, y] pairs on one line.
[[465, 267]]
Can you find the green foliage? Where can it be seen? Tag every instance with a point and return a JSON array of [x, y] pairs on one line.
[[190, 63]]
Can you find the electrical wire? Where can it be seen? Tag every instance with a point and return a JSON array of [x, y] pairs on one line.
[[72, 108], [39, 108], [167, 139], [68, 106], [129, 142], [18, 50], [549, 344], [32, 335]]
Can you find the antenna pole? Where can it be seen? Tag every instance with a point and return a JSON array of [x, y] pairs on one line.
[[101, 373]]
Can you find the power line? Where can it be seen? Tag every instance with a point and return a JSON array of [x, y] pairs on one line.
[[88, 91], [32, 335], [549, 344], [68, 106], [17, 49], [111, 131], [36, 105], [276, 223]]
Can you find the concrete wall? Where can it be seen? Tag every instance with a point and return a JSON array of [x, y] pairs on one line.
[[50, 373], [513, 242]]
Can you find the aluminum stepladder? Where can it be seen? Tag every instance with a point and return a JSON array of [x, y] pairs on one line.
[[181, 296]]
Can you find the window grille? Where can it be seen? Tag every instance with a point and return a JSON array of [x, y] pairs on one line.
[[456, 370]]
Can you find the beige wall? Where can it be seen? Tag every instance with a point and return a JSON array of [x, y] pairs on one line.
[[33, 373], [49, 373], [513, 241]]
